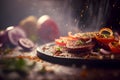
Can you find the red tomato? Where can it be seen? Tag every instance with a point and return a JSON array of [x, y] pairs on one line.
[[105, 40], [115, 47], [60, 42], [48, 29]]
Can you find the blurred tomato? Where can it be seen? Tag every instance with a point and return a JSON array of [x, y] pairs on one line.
[[47, 29]]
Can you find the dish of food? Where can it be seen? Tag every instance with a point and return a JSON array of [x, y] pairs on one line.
[[92, 49]]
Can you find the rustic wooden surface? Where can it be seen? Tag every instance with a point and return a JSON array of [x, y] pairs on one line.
[[47, 71]]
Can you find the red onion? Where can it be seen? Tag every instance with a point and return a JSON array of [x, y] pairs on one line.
[[103, 51]]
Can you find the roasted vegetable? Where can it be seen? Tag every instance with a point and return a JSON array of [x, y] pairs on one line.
[[115, 46], [105, 36]]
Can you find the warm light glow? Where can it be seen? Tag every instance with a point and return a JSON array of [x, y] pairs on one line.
[[42, 19], [9, 28]]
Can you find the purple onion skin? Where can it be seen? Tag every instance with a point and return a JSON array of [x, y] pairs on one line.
[[105, 52], [9, 38], [4, 37], [26, 44]]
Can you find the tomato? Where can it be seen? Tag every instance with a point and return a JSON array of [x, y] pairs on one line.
[[63, 40], [60, 42], [114, 48], [105, 40], [47, 29]]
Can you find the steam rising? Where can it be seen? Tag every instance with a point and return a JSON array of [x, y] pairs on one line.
[[95, 16], [92, 14], [60, 11]]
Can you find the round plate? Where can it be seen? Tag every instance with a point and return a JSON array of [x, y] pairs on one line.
[[76, 62]]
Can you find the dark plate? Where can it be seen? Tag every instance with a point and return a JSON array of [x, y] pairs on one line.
[[77, 62]]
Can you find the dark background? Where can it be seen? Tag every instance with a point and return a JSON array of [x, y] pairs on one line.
[[111, 11], [13, 11]]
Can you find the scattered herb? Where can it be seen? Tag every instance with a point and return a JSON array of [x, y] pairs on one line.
[[58, 49], [79, 42]]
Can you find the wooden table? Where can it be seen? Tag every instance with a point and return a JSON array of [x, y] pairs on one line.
[[47, 71]]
